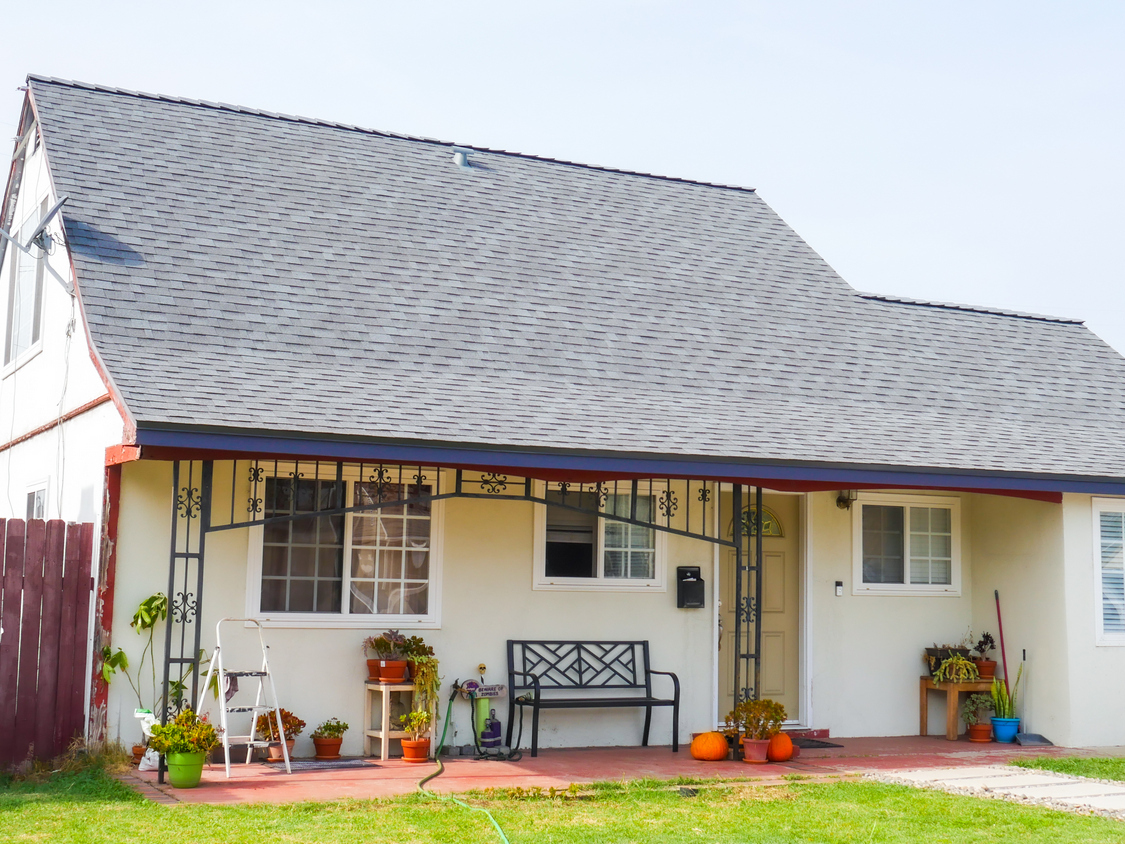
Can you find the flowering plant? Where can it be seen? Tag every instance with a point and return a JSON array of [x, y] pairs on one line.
[[267, 725], [186, 733], [330, 729]]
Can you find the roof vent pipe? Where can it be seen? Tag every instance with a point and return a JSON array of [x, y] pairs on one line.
[[461, 158]]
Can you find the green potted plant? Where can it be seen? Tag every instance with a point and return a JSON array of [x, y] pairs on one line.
[[935, 656], [757, 721], [290, 724], [985, 666], [956, 669], [1005, 724], [417, 747], [185, 742], [389, 663], [328, 737], [971, 711]]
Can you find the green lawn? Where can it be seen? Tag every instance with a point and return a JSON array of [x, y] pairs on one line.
[[88, 806], [1102, 769]]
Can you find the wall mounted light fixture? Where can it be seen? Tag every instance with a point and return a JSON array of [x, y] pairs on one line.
[[845, 498]]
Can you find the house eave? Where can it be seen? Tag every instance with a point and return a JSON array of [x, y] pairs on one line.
[[162, 441]]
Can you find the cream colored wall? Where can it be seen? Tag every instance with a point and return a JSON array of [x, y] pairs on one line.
[[865, 650], [487, 598]]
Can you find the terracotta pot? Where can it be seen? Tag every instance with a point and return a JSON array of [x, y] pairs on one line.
[[275, 750], [138, 752], [780, 748], [392, 671], [755, 751], [416, 751], [981, 732], [373, 670], [986, 667], [327, 748]]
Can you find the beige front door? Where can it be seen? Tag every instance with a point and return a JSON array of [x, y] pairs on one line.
[[781, 622]]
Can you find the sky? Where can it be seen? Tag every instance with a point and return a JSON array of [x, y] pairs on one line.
[[955, 151]]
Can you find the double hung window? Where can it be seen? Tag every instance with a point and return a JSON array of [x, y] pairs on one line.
[[1109, 570], [906, 545], [582, 550], [345, 568], [25, 294]]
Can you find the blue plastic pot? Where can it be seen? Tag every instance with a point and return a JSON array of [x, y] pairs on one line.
[[1005, 729]]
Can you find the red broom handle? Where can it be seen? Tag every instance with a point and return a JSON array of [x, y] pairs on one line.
[[1000, 624]]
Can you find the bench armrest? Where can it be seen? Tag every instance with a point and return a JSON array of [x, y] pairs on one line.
[[675, 681], [534, 682]]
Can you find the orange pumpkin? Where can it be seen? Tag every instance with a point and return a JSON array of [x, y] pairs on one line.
[[709, 747], [780, 749]]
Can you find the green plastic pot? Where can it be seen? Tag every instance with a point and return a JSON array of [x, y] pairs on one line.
[[185, 769]]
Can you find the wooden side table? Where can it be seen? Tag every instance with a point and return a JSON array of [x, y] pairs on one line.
[[383, 731], [952, 702]]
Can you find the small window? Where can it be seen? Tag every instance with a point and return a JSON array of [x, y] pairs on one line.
[[1109, 565], [25, 294], [581, 550], [906, 545], [37, 503]]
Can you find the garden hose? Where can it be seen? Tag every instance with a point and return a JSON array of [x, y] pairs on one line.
[[441, 769]]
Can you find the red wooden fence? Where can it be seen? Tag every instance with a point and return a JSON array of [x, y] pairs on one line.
[[45, 590]]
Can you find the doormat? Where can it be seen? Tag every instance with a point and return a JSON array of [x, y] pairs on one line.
[[812, 743], [320, 764], [1033, 740]]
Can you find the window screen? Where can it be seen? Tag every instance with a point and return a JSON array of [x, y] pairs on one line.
[[884, 558], [1112, 572], [302, 559], [570, 541]]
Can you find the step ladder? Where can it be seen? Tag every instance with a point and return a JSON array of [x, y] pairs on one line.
[[266, 690]]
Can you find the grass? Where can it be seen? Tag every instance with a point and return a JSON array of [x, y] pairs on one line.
[[1099, 768], [90, 807]]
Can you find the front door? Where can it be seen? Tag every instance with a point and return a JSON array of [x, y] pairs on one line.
[[781, 622]]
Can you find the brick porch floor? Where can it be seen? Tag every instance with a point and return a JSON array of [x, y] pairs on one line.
[[264, 783]]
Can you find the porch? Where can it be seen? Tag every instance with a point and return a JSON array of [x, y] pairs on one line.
[[561, 767]]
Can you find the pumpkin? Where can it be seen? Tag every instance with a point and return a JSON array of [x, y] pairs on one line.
[[780, 749], [710, 747]]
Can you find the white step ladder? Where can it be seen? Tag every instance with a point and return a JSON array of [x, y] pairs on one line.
[[265, 685]]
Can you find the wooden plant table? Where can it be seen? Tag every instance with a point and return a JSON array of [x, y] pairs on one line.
[[952, 702], [383, 731]]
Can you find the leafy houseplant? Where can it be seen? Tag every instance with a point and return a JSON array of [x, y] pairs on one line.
[[935, 656], [417, 747], [328, 737], [267, 726], [986, 666], [956, 669], [758, 721], [971, 711], [1005, 724], [184, 742], [389, 663]]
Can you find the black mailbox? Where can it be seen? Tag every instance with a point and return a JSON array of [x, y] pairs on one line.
[[689, 588]]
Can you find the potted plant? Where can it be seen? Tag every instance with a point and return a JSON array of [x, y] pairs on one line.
[[185, 742], [328, 737], [985, 666], [935, 656], [1005, 724], [414, 648], [389, 664], [956, 669], [291, 725], [417, 747], [757, 721], [971, 714]]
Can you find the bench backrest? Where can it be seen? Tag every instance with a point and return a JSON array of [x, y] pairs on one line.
[[579, 665]]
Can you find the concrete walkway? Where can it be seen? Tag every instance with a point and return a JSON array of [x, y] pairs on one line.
[[1023, 785]]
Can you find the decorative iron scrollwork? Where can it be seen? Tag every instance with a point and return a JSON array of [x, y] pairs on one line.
[[381, 477], [419, 478], [492, 483], [257, 474], [704, 494], [748, 610], [601, 491], [668, 503], [254, 505], [189, 502], [184, 607], [564, 489]]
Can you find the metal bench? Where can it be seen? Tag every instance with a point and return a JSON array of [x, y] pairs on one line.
[[588, 668]]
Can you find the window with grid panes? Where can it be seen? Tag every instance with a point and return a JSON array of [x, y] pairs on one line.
[[906, 546]]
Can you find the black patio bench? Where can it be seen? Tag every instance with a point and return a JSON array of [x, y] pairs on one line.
[[588, 670]]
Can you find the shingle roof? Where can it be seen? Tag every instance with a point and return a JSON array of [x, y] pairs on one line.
[[246, 270]]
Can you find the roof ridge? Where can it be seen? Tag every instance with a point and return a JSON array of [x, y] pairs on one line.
[[951, 306], [351, 127]]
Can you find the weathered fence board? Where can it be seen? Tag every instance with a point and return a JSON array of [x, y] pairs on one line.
[[44, 612]]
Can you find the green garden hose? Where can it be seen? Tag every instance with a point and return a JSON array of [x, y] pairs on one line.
[[441, 769]]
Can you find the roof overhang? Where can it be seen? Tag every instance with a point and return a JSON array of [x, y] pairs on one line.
[[171, 443]]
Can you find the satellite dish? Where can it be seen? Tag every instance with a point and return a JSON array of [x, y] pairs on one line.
[[39, 229], [37, 239]]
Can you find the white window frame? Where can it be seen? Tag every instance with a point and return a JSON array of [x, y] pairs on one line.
[[540, 581], [907, 589], [16, 256], [45, 486], [1099, 506], [345, 618]]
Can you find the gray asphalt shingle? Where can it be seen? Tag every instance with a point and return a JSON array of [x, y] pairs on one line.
[[243, 270]]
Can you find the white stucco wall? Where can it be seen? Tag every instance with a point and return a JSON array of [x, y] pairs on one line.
[[47, 382]]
